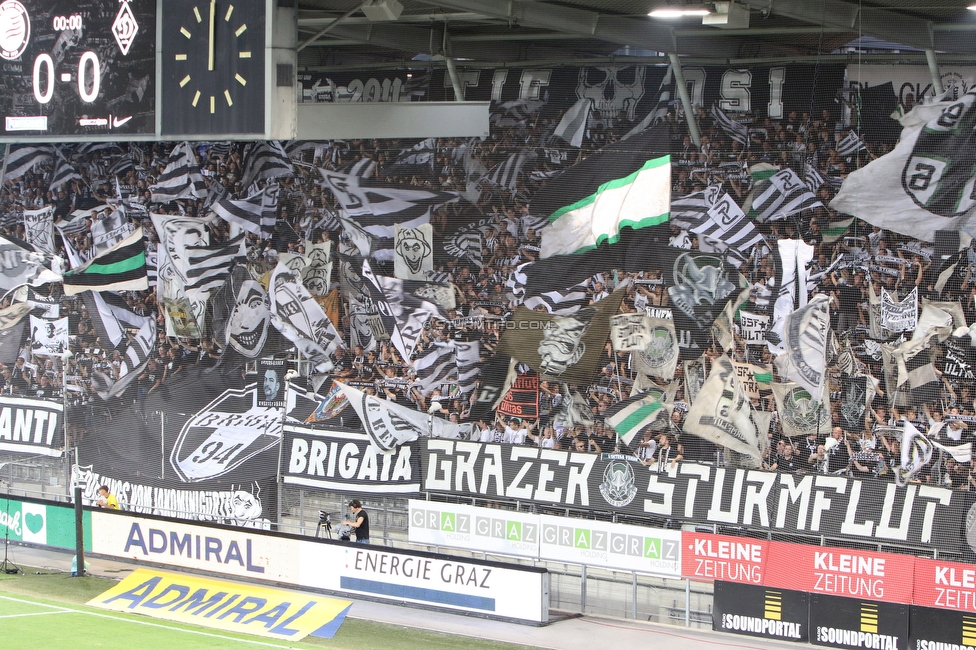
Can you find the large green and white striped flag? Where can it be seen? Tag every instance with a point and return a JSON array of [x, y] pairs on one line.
[[638, 200], [632, 415]]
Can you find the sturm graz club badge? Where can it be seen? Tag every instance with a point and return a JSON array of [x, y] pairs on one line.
[[661, 349], [619, 485], [940, 175], [224, 434]]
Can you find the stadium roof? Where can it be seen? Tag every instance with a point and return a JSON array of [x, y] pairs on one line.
[[335, 34]]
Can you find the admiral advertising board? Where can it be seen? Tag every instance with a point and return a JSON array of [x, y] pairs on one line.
[[518, 593], [814, 505], [855, 623], [760, 611]]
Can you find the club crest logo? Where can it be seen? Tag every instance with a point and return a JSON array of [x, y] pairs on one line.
[[14, 29], [801, 411], [661, 349], [699, 281], [939, 174], [619, 485], [224, 434]]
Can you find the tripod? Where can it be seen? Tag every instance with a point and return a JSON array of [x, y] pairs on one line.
[[325, 521], [7, 566]]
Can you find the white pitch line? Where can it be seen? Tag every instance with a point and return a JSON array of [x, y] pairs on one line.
[[32, 614], [165, 627]]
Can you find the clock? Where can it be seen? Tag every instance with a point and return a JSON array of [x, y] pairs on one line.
[[213, 67]]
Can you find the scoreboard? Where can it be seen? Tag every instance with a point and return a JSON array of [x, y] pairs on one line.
[[76, 70]]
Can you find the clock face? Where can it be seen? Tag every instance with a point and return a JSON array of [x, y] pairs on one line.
[[213, 67]]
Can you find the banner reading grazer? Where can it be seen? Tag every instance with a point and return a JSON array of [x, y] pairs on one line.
[[760, 611], [31, 426], [815, 505]]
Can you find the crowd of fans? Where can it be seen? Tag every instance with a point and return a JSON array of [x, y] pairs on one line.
[[510, 237]]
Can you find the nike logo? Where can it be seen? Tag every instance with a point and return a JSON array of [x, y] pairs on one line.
[[116, 122]]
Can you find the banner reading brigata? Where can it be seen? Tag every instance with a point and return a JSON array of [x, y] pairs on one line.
[[347, 462]]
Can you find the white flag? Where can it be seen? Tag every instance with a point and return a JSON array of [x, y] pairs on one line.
[[805, 345], [720, 413]]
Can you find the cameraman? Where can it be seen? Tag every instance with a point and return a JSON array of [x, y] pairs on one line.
[[362, 522]]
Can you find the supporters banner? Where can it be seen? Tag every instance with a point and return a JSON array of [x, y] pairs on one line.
[[31, 426], [199, 446], [522, 400], [760, 611], [707, 557], [854, 623], [938, 629], [865, 510], [753, 328], [765, 91], [347, 462]]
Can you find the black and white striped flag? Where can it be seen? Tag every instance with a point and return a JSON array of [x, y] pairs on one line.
[[209, 266], [812, 177], [255, 214], [506, 173], [849, 145], [561, 303], [736, 131], [691, 211], [123, 164], [727, 226], [181, 178], [572, 126], [784, 195], [20, 158], [63, 172], [265, 161], [418, 159], [435, 366], [467, 355]]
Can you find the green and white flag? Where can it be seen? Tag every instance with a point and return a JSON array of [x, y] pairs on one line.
[[638, 200], [631, 416]]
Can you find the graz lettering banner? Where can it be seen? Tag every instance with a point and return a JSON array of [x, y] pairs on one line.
[[348, 462], [31, 426], [766, 91], [815, 505], [198, 447]]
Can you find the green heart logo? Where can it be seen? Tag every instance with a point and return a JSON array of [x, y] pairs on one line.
[[34, 522]]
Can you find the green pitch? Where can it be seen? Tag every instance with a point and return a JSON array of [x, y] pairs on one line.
[[38, 612]]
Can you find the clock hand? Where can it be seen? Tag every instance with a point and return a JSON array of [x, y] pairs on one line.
[[213, 10]]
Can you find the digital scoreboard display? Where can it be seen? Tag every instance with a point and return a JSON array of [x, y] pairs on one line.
[[77, 68]]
